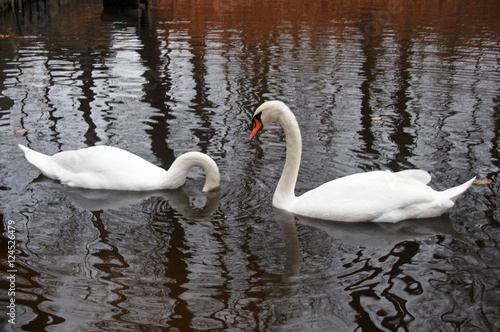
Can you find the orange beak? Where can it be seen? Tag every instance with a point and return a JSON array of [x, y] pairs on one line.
[[257, 125]]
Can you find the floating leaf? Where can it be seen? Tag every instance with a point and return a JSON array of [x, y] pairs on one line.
[[69, 68], [4, 36], [178, 82], [377, 118], [483, 181], [20, 131]]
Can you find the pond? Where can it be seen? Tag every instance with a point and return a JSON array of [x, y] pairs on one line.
[[375, 85]]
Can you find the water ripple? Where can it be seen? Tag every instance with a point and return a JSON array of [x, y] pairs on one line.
[[374, 85]]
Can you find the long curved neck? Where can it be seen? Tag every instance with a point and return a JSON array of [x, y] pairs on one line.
[[285, 191], [180, 167]]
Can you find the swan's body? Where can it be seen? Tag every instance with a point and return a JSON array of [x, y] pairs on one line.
[[105, 167], [379, 196]]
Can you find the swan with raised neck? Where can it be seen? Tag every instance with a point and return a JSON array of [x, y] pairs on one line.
[[269, 112], [379, 196]]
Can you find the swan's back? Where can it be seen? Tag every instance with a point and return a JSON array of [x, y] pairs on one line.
[[377, 196], [98, 167]]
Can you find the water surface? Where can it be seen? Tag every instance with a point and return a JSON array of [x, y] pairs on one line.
[[375, 85]]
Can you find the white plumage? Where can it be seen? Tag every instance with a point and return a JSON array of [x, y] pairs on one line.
[[105, 167], [379, 196]]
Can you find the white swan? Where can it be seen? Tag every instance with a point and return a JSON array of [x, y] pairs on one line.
[[105, 167], [379, 196]]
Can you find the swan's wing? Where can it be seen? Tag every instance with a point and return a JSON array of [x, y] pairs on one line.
[[99, 159], [365, 196], [412, 175], [104, 167]]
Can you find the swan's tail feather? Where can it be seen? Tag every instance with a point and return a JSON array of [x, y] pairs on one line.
[[455, 192], [32, 156], [42, 162]]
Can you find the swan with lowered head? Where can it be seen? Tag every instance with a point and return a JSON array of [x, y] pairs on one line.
[[111, 168], [378, 196]]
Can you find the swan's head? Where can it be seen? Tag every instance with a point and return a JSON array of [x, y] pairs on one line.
[[265, 114]]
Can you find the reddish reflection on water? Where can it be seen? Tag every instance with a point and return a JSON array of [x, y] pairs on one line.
[[374, 84]]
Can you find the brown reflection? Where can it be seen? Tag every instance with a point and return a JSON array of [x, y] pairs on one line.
[[262, 15], [156, 92], [403, 139], [177, 274], [201, 101], [366, 109]]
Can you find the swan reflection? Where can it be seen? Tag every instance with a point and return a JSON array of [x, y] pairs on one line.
[[383, 235], [286, 222], [280, 285], [192, 205], [380, 275], [367, 235]]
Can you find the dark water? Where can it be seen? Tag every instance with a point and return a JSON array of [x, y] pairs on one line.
[[375, 85]]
